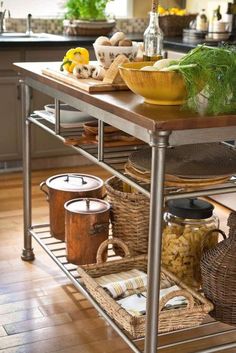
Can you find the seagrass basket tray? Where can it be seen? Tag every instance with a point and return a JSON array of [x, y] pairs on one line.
[[191, 315], [88, 28], [218, 270], [173, 25], [129, 216]]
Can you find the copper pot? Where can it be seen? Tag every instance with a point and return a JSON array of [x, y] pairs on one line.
[[86, 227], [64, 187]]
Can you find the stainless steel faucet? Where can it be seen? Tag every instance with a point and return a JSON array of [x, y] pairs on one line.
[[3, 13], [29, 25]]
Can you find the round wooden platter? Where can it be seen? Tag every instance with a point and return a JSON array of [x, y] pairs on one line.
[[172, 180], [194, 162]]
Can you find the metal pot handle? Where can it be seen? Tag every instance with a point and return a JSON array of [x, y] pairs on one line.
[[42, 185], [98, 228], [75, 176], [103, 246]]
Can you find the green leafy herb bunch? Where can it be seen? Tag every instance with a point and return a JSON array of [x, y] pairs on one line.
[[86, 9]]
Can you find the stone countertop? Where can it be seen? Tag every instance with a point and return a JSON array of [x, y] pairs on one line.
[[51, 40]]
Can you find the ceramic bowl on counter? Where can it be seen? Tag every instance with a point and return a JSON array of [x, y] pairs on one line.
[[156, 87], [70, 117], [68, 114], [106, 54]]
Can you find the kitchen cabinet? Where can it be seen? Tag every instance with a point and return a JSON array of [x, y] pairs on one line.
[[157, 126], [10, 134]]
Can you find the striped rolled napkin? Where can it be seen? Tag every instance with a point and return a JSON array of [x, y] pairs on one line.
[[123, 283]]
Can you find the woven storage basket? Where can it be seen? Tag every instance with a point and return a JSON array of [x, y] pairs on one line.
[[218, 270], [129, 216], [189, 316], [87, 28], [173, 25]]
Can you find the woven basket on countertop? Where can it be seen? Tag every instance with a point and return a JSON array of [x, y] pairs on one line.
[[129, 216], [88, 28], [191, 315], [173, 25], [218, 270]]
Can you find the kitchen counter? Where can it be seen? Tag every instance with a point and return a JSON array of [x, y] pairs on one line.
[[130, 107], [50, 40]]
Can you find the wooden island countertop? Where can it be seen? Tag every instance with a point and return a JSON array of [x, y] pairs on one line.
[[129, 106]]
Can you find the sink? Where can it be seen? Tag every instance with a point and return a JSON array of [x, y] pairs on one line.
[[16, 35], [13, 34]]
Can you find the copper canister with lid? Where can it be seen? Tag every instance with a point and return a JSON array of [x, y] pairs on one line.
[[86, 227], [64, 187]]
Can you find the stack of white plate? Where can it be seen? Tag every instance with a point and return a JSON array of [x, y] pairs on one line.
[[69, 116]]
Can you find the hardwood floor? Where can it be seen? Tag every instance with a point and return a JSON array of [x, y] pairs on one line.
[[40, 310]]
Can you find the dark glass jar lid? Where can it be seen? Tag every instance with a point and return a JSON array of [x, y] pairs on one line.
[[190, 208]]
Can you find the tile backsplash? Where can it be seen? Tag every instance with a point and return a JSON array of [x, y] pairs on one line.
[[55, 26]]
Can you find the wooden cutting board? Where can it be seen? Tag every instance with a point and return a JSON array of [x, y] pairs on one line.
[[87, 140], [88, 84]]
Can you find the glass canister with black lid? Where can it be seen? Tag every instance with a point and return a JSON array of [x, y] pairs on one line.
[[187, 226]]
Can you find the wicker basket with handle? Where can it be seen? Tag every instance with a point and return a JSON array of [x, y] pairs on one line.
[[173, 319], [218, 270], [173, 25], [129, 216]]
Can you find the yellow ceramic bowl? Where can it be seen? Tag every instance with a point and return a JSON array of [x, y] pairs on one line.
[[156, 87]]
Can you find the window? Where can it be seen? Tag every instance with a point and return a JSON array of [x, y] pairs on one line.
[[120, 8], [55, 8], [38, 8]]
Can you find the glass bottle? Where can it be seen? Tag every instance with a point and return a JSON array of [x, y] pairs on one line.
[[234, 16], [218, 14], [202, 21], [186, 233], [153, 39], [228, 16]]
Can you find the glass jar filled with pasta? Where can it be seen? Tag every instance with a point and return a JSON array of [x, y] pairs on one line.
[[188, 225]]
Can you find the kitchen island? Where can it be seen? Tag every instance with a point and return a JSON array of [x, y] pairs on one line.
[[20, 47], [157, 126]]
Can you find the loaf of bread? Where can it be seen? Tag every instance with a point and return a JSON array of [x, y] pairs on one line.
[[112, 75]]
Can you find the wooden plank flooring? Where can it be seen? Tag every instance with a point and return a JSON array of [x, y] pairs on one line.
[[40, 310]]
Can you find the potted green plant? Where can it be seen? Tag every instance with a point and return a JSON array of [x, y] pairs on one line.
[[87, 17]]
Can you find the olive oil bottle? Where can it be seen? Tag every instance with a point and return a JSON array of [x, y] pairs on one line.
[[153, 36]]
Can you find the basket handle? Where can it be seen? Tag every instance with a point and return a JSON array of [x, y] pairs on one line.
[[209, 233], [103, 246], [177, 293]]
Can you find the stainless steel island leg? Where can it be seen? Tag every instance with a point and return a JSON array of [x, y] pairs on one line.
[[27, 252], [159, 143]]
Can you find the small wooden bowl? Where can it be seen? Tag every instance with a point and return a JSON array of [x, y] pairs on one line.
[[91, 128]]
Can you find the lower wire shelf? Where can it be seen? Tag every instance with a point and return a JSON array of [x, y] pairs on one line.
[[56, 249]]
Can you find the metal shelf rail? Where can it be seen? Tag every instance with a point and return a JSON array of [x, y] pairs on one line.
[[158, 141]]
